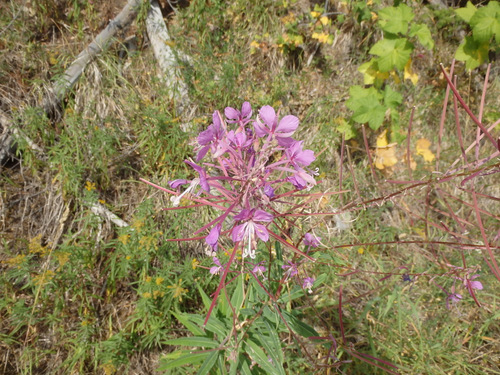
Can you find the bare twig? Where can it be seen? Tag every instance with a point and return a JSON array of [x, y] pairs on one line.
[[60, 89]]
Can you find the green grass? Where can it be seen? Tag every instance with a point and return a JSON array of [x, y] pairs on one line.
[[80, 295]]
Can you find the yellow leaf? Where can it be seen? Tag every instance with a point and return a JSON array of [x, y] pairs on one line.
[[423, 150], [410, 74], [371, 73], [315, 14], [395, 77], [385, 153]]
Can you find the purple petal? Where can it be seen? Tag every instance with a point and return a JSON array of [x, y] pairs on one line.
[[203, 182], [476, 285], [243, 215], [176, 183], [261, 232], [238, 232], [287, 125], [297, 181], [268, 115], [231, 113], [216, 120], [261, 215], [213, 237], [201, 154], [217, 261], [206, 136], [195, 166], [203, 175], [246, 110], [285, 141], [306, 157], [311, 240], [260, 129], [308, 283], [269, 191]]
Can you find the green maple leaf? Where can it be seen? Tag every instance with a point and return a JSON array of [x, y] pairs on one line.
[[392, 53], [395, 20], [472, 53], [423, 34], [366, 106], [392, 98], [486, 22], [467, 12]]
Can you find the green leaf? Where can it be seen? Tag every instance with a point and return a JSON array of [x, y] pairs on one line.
[[486, 22], [346, 128], [195, 341], [181, 358], [423, 34], [273, 352], [395, 20], [295, 293], [392, 53], [366, 106], [371, 112], [392, 99], [257, 354], [275, 343], [184, 320], [209, 363], [397, 134], [206, 299], [298, 326], [238, 295], [213, 325], [467, 12], [472, 53]]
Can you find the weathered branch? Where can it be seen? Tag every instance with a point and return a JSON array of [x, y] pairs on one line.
[[52, 102], [166, 57]]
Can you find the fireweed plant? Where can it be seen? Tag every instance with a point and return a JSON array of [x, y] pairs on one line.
[[254, 177]]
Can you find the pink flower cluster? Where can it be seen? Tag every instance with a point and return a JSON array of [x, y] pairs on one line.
[[251, 159]]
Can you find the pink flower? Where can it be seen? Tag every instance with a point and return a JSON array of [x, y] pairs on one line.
[[470, 285], [251, 227], [268, 125], [308, 284], [298, 157], [235, 116], [290, 269], [213, 237], [215, 270], [259, 269], [202, 173], [311, 240], [213, 138]]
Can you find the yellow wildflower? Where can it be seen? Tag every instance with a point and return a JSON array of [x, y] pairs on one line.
[[124, 238], [159, 280], [178, 290], [90, 186], [15, 261], [195, 263]]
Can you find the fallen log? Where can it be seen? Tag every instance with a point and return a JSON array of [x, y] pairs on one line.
[[52, 101], [167, 58]]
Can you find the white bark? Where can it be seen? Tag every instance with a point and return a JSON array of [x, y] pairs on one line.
[[166, 57]]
